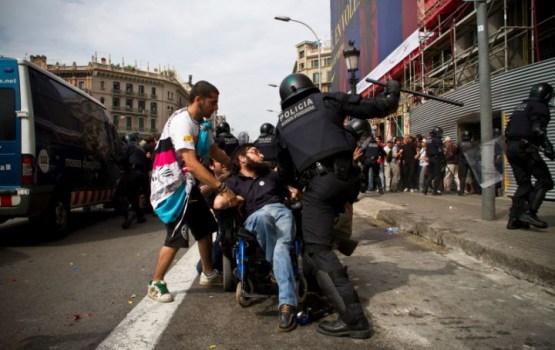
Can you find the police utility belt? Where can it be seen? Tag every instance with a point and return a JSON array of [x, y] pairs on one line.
[[339, 166]]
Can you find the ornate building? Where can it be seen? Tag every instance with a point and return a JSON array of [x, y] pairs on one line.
[[139, 101]]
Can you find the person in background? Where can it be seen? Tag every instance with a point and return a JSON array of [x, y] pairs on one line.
[[225, 139], [387, 164], [267, 144], [452, 169], [394, 165], [434, 150]]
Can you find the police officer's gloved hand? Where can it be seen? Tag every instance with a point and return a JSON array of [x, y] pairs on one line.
[[393, 88]]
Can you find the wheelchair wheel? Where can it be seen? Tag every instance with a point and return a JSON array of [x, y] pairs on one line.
[[241, 299], [302, 289], [227, 272]]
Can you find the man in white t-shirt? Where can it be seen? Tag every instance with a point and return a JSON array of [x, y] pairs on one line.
[[183, 129]]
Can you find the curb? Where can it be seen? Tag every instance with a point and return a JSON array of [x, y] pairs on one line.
[[410, 223]]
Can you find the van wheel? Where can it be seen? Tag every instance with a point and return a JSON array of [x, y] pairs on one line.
[[57, 217]]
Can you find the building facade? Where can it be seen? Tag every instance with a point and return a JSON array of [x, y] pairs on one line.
[[139, 101], [436, 52], [307, 63]]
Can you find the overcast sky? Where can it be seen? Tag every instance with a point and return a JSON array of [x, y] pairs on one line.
[[234, 44]]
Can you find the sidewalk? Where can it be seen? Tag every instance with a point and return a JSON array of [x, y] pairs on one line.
[[456, 223]]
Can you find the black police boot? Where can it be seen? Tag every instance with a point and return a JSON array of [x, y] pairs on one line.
[[287, 318], [531, 218], [348, 324], [131, 215], [515, 224]]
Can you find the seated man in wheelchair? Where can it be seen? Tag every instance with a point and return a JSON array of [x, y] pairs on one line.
[[265, 215]]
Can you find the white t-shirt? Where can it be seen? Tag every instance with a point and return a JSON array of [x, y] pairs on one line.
[[183, 131]]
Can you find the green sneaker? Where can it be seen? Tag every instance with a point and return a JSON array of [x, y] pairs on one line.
[[158, 290]]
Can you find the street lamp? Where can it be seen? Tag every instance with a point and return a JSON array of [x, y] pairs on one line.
[[288, 19], [351, 55], [272, 85], [272, 111]]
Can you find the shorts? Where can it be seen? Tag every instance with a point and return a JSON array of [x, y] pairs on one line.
[[198, 218]]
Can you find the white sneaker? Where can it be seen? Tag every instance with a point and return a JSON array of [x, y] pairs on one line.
[[159, 292], [406, 190], [209, 280]]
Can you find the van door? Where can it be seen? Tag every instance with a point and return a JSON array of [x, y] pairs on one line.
[[10, 129]]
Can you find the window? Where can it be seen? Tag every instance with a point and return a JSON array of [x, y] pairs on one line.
[[153, 107], [314, 63], [128, 104], [115, 102], [153, 124], [102, 85], [327, 61], [102, 100], [301, 54], [141, 90], [129, 87], [141, 124], [142, 106], [115, 119], [301, 66], [128, 123], [81, 85], [116, 86], [153, 92], [316, 78], [170, 95]]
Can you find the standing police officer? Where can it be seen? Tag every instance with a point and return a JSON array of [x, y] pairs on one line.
[[436, 161], [135, 181], [225, 139], [464, 146], [267, 144], [319, 151], [526, 135]]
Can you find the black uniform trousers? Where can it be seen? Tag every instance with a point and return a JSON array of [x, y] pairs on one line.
[[527, 162], [324, 197], [434, 174]]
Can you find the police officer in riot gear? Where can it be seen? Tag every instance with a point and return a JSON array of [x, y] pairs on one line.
[[371, 168], [134, 182], [225, 139], [526, 135], [267, 144], [317, 149], [464, 145], [436, 161]]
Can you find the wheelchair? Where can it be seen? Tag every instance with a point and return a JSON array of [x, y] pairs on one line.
[[245, 267]]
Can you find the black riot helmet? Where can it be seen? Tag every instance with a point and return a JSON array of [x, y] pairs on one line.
[[466, 136], [267, 129], [543, 91], [222, 127], [359, 127], [437, 132], [131, 138], [295, 87]]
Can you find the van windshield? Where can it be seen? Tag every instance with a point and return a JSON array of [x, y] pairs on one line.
[[7, 114]]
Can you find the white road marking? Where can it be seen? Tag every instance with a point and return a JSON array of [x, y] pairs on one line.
[[142, 327]]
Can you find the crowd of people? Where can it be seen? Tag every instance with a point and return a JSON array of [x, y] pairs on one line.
[[428, 164], [197, 173]]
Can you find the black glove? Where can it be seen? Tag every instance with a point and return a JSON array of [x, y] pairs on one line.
[[393, 87]]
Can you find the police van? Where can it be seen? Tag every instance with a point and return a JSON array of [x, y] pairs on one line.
[[58, 147]]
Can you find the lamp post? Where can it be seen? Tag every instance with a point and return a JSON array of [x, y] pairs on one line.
[[272, 85], [272, 111], [288, 19], [351, 55]]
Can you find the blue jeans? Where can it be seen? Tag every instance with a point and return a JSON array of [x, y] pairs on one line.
[[274, 227]]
